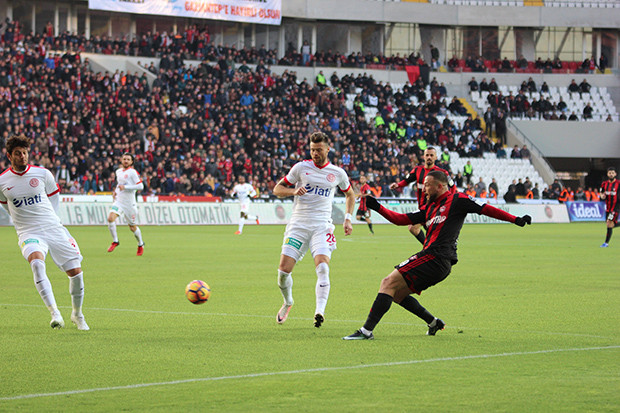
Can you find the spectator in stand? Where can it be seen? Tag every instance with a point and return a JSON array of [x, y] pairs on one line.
[[453, 63], [480, 187], [522, 62], [580, 194], [587, 111], [525, 152], [602, 63], [500, 127], [305, 53], [573, 87], [473, 85], [520, 188], [468, 171], [510, 196], [492, 85], [515, 153], [536, 191], [506, 66], [584, 87], [484, 86], [573, 116]]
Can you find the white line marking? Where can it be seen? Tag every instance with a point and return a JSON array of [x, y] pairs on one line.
[[129, 310], [302, 371]]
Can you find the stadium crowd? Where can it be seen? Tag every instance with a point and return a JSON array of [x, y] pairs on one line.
[[195, 130]]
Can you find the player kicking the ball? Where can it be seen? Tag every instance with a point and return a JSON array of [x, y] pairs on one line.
[[310, 227], [244, 192], [443, 215], [31, 197], [125, 201]]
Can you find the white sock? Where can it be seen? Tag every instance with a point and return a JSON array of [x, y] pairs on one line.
[[433, 323], [366, 332], [43, 285], [112, 228], [76, 289], [241, 224], [138, 234], [252, 217], [285, 282], [322, 287]]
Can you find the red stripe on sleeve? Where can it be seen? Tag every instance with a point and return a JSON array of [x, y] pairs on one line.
[[395, 218], [286, 181], [2, 202], [497, 213], [56, 191]]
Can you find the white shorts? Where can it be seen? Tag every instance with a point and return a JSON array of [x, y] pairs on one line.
[[319, 239], [58, 241], [129, 211], [245, 207]]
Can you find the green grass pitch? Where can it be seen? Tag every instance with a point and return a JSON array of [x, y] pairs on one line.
[[532, 325]]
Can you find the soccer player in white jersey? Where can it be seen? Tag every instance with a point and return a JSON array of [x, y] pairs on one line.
[[310, 227], [125, 201], [31, 197], [244, 192]]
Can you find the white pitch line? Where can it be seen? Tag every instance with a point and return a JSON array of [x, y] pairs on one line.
[[129, 310], [302, 371]]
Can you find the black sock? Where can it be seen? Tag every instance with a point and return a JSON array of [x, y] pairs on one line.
[[412, 305], [609, 230], [379, 308], [370, 226], [421, 237]]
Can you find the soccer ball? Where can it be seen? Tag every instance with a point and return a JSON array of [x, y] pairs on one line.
[[197, 292]]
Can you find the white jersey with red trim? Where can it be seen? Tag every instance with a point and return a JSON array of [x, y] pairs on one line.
[[129, 176], [26, 194], [244, 192], [315, 206]]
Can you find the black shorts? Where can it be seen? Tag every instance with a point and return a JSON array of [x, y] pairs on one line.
[[424, 270], [612, 216], [364, 213]]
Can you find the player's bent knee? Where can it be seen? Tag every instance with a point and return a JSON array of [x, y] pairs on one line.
[[71, 266], [73, 272]]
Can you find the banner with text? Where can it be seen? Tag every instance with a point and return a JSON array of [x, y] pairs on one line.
[[247, 11], [586, 211], [227, 213]]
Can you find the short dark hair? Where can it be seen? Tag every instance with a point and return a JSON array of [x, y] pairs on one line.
[[611, 168], [439, 176], [319, 137], [17, 141], [431, 148], [133, 158]]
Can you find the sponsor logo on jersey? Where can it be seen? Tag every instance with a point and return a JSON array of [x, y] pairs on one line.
[[27, 201], [29, 241], [436, 220], [317, 190], [295, 243], [331, 178], [9, 188], [34, 182]]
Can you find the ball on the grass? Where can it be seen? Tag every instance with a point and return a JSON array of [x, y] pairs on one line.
[[198, 292]]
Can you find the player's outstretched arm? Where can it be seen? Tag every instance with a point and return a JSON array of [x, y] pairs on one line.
[[497, 213], [395, 218]]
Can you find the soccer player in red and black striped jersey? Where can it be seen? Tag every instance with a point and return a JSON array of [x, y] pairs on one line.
[[443, 214], [363, 214], [609, 193], [417, 175]]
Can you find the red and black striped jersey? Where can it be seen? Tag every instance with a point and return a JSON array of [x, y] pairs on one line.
[[364, 190], [417, 175], [610, 189]]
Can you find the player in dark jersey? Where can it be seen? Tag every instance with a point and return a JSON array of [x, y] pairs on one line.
[[363, 214], [417, 175], [609, 193], [443, 214]]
